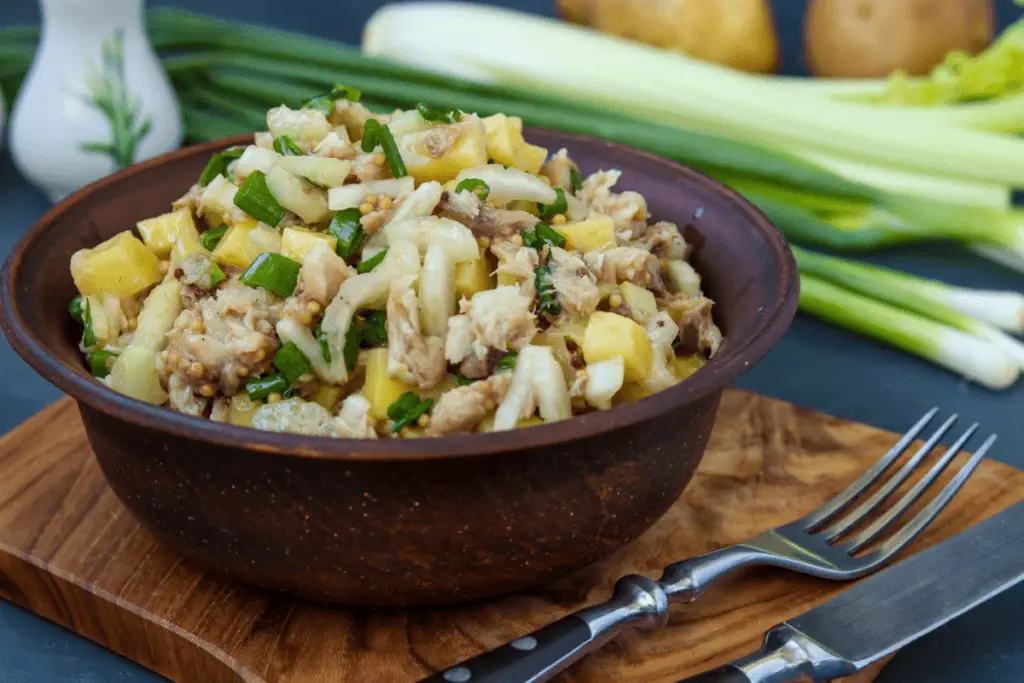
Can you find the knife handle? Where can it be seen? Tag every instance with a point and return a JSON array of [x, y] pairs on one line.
[[540, 656], [788, 656]]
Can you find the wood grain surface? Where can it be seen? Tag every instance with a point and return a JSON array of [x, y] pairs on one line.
[[71, 553]]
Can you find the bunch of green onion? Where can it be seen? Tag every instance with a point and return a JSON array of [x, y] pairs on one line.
[[875, 184]]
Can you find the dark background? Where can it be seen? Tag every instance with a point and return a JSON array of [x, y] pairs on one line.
[[814, 366]]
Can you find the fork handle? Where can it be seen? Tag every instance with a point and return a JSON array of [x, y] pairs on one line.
[[637, 602]]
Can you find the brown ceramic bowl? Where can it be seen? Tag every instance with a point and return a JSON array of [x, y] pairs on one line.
[[404, 522]]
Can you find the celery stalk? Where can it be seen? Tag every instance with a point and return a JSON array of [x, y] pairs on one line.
[[974, 358], [598, 69]]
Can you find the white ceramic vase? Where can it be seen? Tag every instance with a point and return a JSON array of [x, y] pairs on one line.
[[95, 100]]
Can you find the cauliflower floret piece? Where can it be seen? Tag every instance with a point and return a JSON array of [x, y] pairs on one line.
[[412, 357], [294, 416], [461, 409]]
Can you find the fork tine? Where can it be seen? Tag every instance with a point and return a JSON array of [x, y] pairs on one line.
[[870, 534], [829, 510], [864, 509], [909, 532]]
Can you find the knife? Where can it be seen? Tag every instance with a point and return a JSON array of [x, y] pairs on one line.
[[892, 608]]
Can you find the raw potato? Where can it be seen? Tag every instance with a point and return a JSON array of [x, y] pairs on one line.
[[873, 38], [736, 33]]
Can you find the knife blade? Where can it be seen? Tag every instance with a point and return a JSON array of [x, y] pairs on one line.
[[889, 610]]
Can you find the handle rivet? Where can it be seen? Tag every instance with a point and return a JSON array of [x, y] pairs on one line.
[[524, 644], [459, 674]]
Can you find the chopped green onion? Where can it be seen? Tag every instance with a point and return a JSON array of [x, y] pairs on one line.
[[347, 228], [462, 380], [369, 264], [375, 133], [439, 115], [560, 205], [353, 342], [507, 362], [677, 345], [576, 178], [325, 346], [285, 146], [475, 185], [262, 387], [76, 309], [211, 238], [547, 297], [218, 164], [292, 363], [99, 363], [407, 409], [216, 276], [543, 235], [376, 331], [273, 272], [88, 336], [289, 393], [255, 198], [325, 102], [365, 333]]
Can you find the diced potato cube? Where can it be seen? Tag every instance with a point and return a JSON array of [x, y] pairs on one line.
[[609, 335], [505, 144], [160, 233], [503, 138], [242, 410], [121, 266], [684, 278], [328, 396], [487, 424], [381, 389], [472, 277], [685, 366], [188, 243], [233, 249], [630, 393], [134, 374], [507, 280], [297, 242], [640, 302], [597, 233], [468, 151], [531, 158]]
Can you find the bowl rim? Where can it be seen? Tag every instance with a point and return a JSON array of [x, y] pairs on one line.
[[727, 366]]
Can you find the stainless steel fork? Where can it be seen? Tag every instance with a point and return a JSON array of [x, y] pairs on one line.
[[821, 544]]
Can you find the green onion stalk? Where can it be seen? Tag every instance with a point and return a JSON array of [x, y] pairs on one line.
[[962, 352], [982, 314]]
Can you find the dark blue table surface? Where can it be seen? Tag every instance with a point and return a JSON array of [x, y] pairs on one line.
[[814, 366]]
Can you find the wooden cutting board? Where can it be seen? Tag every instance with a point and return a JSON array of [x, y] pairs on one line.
[[71, 553]]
